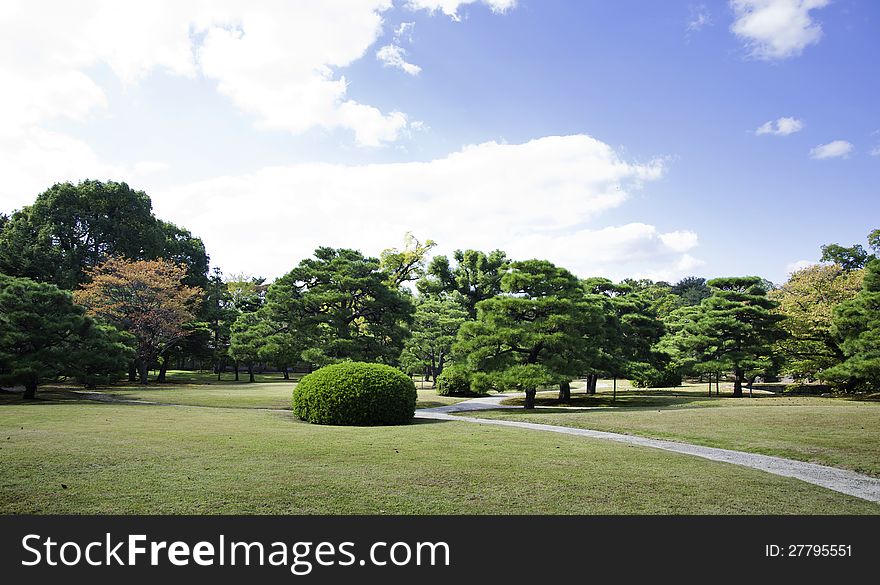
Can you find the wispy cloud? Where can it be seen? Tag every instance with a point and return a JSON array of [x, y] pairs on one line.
[[835, 149], [699, 18], [395, 56], [780, 127]]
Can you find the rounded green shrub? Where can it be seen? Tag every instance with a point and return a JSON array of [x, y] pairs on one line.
[[355, 393], [453, 380]]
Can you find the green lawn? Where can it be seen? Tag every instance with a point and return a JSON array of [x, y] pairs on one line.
[[62, 454], [831, 431]]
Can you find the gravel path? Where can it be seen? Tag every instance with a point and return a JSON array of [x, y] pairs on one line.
[[839, 480]]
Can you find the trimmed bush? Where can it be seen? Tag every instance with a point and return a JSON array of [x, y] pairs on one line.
[[355, 394], [453, 380]]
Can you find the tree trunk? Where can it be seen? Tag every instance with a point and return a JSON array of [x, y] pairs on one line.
[[250, 372], [286, 374], [132, 372], [737, 383], [236, 371], [162, 370], [220, 366], [614, 395], [593, 382], [710, 384], [30, 388], [717, 384], [530, 399], [144, 371], [565, 392]]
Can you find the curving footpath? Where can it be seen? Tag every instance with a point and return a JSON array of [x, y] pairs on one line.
[[839, 480]]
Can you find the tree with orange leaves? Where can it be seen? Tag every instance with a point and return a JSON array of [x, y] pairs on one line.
[[147, 298]]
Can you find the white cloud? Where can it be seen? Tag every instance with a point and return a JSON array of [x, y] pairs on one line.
[[776, 29], [450, 7], [404, 32], [699, 18], [395, 56], [781, 127], [532, 200], [835, 149], [797, 265], [875, 151], [275, 60], [34, 159]]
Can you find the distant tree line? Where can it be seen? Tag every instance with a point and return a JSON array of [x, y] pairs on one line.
[[92, 285]]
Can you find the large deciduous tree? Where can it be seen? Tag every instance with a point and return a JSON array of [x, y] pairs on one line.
[[807, 301], [72, 228], [341, 306], [148, 299], [44, 335], [532, 335]]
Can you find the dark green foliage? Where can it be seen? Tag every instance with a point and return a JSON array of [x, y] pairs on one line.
[[855, 256], [44, 335], [734, 330], [340, 306], [247, 340], [475, 277], [542, 321], [648, 376], [355, 393], [435, 325], [454, 380], [857, 325], [692, 290], [72, 228], [101, 356]]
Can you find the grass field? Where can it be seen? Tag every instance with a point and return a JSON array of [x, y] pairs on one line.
[[831, 431], [209, 448], [73, 456], [268, 391]]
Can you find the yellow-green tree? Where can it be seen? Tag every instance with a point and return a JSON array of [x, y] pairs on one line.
[[807, 301]]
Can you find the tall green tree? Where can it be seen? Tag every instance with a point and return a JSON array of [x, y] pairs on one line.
[[734, 330], [475, 276], [857, 324], [435, 324], [532, 335], [72, 228], [340, 305], [807, 301], [44, 335], [248, 340], [691, 290]]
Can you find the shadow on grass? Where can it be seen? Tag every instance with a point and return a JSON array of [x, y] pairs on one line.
[[46, 396], [639, 399]]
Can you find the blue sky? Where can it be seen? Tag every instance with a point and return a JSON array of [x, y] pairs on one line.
[[615, 138]]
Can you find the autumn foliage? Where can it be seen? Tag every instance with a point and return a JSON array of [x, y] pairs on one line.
[[146, 298]]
